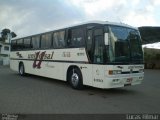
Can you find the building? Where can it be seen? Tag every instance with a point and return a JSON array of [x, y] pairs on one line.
[[4, 52]]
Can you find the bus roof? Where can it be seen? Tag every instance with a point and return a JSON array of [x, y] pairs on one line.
[[105, 23], [85, 23]]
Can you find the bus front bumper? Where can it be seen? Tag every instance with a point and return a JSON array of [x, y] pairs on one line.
[[122, 81]]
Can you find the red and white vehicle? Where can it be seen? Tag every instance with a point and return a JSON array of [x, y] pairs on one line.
[[98, 54]]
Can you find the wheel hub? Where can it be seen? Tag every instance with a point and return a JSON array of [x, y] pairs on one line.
[[21, 69], [75, 79]]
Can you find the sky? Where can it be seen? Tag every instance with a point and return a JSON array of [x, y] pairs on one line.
[[28, 17]]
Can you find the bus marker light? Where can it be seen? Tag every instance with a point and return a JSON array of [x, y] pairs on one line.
[[110, 72]]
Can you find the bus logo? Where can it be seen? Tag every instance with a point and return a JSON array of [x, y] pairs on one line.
[[38, 57], [38, 65], [19, 55]]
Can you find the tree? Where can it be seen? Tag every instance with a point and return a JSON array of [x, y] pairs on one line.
[[4, 34], [13, 34]]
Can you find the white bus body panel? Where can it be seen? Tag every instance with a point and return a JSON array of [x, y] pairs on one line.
[[56, 67], [58, 62]]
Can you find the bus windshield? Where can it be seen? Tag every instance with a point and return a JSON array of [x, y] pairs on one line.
[[124, 45]]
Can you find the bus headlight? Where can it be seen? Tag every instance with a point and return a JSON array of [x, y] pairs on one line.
[[114, 72]]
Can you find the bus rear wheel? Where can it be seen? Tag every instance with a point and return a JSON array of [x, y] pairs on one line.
[[21, 69], [75, 79]]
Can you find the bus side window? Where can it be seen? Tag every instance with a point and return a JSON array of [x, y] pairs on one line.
[[89, 43], [27, 43], [59, 39], [20, 45], [13, 45], [76, 37], [98, 52], [46, 40], [69, 35], [35, 44], [99, 46]]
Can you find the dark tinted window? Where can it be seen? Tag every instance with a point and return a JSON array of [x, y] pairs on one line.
[[89, 40], [89, 43], [98, 50], [6, 48], [119, 45], [35, 42], [27, 43], [98, 32], [13, 45], [46, 40], [20, 44], [98, 46], [76, 37], [59, 39], [135, 44]]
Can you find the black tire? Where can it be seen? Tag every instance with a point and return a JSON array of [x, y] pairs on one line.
[[21, 69], [75, 79]]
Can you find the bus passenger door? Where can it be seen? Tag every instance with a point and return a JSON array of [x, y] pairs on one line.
[[89, 45], [98, 57]]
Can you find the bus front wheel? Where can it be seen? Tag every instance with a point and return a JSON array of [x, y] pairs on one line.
[[21, 69], [75, 78]]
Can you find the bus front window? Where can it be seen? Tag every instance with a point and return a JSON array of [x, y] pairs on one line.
[[118, 44], [135, 46], [124, 45]]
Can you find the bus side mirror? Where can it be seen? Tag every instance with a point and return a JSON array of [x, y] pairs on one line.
[[106, 39]]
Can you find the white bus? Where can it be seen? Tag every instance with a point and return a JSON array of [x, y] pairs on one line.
[[98, 54]]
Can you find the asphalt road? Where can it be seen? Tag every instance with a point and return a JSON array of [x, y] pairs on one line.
[[38, 95]]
